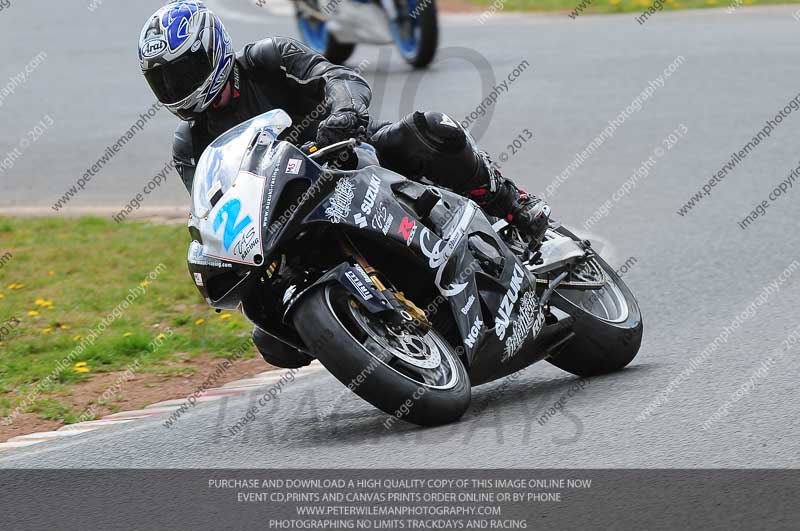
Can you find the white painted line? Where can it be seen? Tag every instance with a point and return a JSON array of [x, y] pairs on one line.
[[91, 423], [139, 413], [19, 444], [48, 435]]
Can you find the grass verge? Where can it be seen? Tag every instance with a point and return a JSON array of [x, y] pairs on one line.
[[61, 279]]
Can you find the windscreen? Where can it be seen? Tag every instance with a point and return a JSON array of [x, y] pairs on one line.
[[219, 164]]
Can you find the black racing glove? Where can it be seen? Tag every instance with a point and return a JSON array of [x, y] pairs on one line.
[[339, 126]]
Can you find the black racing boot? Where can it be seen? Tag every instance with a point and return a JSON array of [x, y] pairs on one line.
[[501, 198]]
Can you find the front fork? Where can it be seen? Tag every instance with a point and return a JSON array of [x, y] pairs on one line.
[[402, 310]]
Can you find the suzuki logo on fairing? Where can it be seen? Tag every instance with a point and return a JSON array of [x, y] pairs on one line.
[[361, 221], [473, 333], [507, 306], [371, 195], [231, 210]]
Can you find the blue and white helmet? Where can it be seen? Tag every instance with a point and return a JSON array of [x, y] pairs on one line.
[[186, 56]]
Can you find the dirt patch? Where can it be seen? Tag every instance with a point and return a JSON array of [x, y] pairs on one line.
[[143, 389]]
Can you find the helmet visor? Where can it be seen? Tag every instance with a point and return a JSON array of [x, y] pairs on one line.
[[176, 80]]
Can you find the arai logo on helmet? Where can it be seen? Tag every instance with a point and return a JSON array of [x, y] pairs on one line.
[[153, 47]]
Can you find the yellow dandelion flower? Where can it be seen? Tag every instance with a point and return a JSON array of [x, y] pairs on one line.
[[33, 313], [127, 334], [81, 364], [225, 316], [39, 302], [144, 283], [62, 326], [614, 2], [199, 322], [47, 330], [81, 369], [77, 338], [2, 296], [51, 273], [160, 336], [14, 285]]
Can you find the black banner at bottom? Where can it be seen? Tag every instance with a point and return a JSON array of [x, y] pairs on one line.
[[399, 499]]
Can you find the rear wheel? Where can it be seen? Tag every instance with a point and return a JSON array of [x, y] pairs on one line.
[[411, 375], [608, 323]]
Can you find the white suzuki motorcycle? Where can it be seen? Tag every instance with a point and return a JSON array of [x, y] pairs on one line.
[[334, 27]]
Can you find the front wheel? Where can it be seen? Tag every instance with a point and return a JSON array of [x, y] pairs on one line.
[[411, 376], [608, 323], [416, 31]]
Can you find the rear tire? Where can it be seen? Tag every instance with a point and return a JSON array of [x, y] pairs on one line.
[[600, 346], [347, 341]]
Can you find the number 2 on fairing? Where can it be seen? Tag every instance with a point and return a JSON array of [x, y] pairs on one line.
[[231, 209]]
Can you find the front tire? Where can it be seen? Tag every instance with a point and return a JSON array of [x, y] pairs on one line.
[[411, 376], [608, 325]]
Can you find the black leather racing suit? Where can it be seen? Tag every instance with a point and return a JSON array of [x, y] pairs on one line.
[[283, 73], [276, 73]]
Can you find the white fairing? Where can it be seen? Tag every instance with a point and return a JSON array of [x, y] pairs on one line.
[[353, 22], [226, 202]]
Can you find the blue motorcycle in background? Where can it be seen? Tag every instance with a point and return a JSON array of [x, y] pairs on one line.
[[334, 27]]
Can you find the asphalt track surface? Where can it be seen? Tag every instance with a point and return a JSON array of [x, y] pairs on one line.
[[693, 274]]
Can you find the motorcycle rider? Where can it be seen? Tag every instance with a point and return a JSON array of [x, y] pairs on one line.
[[188, 59]]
